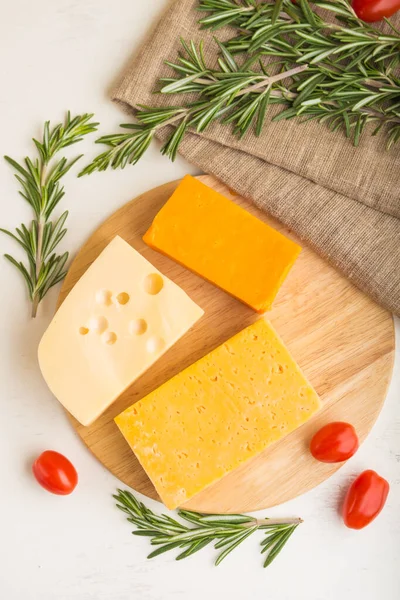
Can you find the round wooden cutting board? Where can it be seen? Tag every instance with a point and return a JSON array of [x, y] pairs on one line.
[[343, 341]]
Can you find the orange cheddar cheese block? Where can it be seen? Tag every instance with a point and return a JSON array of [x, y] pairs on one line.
[[220, 241], [218, 413]]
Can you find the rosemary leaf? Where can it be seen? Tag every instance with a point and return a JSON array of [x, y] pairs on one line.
[[234, 544], [195, 547], [163, 549], [279, 545]]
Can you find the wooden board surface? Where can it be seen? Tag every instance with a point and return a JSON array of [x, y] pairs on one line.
[[343, 341]]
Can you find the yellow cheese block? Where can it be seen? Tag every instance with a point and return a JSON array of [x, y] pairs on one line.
[[218, 413], [217, 239], [120, 317]]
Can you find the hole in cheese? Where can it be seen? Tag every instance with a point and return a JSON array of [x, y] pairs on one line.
[[123, 298], [137, 327], [83, 330], [153, 284], [98, 324], [155, 344], [104, 297], [110, 338]]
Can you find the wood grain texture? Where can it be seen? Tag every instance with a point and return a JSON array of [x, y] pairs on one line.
[[343, 341]]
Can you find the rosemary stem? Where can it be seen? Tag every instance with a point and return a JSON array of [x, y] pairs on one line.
[[39, 245], [35, 304], [379, 116], [205, 81], [38, 262], [293, 521], [246, 8], [41, 223], [267, 81], [180, 115]]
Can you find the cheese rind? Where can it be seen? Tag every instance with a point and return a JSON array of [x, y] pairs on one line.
[[218, 413], [120, 317], [222, 242]]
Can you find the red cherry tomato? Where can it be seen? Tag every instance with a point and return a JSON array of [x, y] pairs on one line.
[[364, 500], [55, 473], [375, 10], [335, 442]]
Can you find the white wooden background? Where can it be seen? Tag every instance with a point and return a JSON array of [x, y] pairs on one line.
[[60, 54]]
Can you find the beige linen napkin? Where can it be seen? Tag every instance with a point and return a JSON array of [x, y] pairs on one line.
[[344, 201]]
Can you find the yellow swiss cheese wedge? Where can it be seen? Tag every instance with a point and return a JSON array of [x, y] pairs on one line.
[[218, 413], [222, 242], [120, 317]]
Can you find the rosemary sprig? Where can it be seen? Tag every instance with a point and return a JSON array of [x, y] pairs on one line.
[[342, 73], [40, 187], [228, 90], [226, 532]]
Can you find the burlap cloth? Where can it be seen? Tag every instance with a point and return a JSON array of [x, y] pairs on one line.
[[343, 201]]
